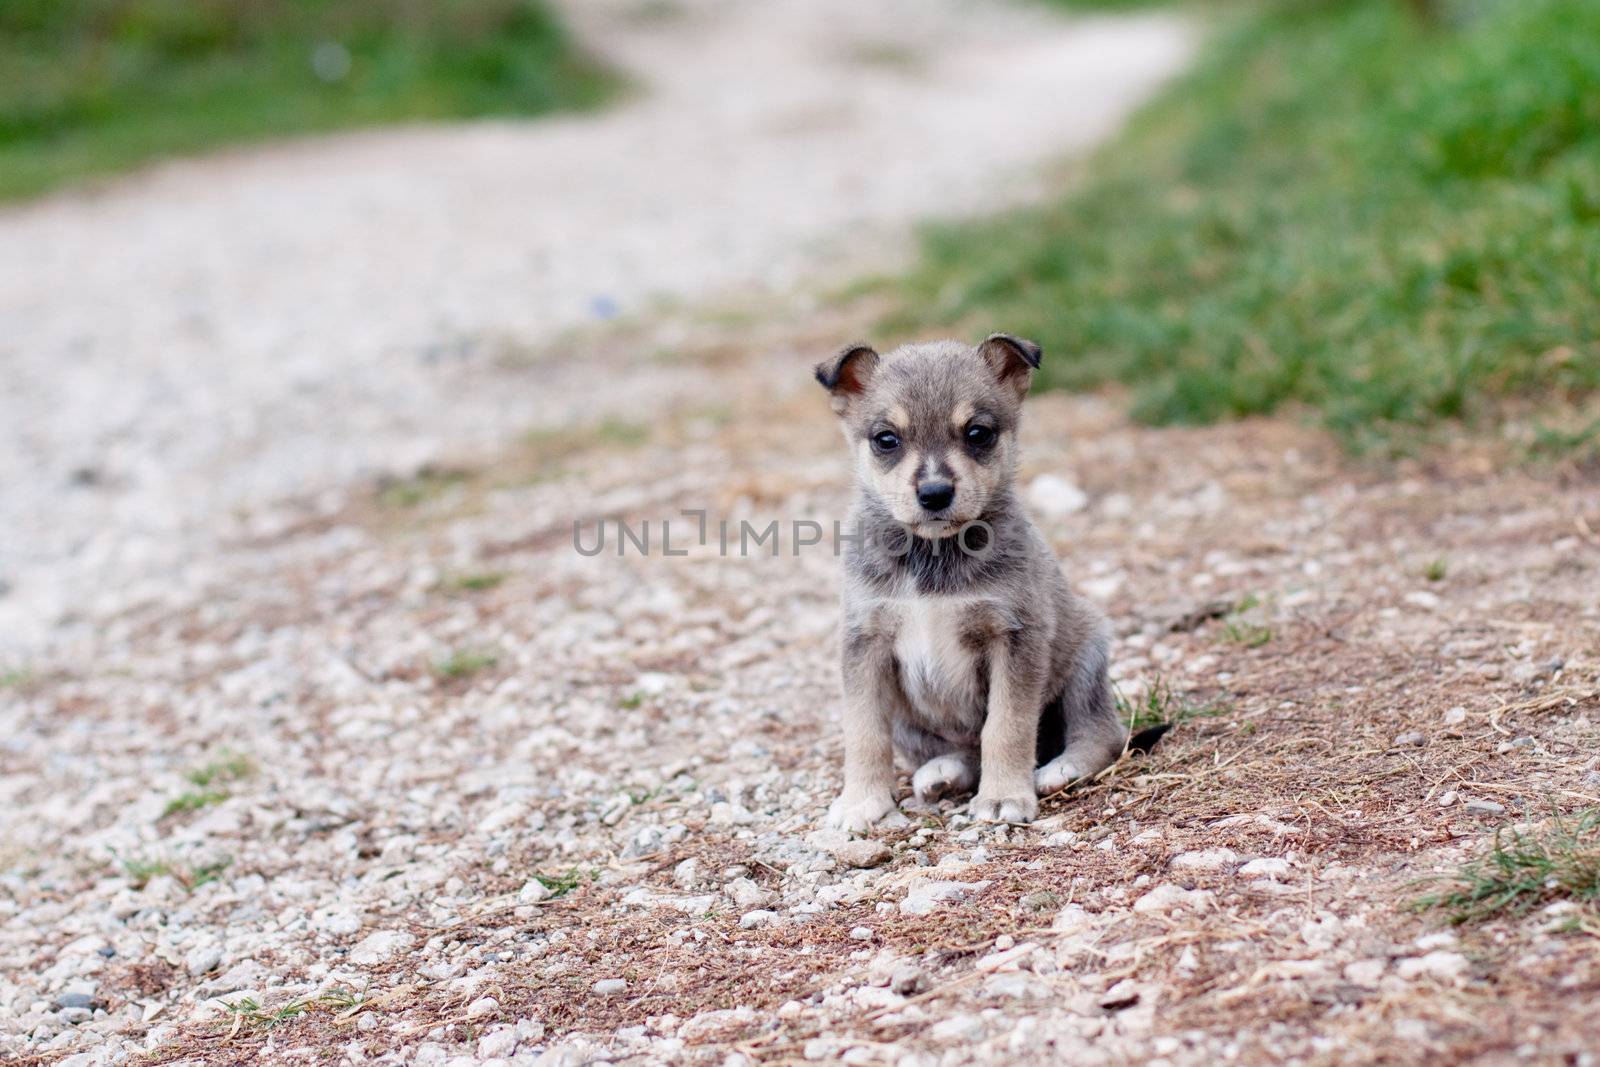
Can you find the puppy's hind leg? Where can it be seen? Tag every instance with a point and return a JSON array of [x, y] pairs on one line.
[[943, 776], [942, 767], [1094, 736]]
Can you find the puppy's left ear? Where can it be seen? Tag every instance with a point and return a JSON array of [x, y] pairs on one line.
[[846, 375], [1012, 360]]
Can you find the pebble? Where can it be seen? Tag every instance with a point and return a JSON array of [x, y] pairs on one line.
[[1365, 972], [499, 1043], [1125, 994], [1166, 898], [1266, 867], [1007, 959], [857, 933], [482, 1008], [863, 853], [686, 875], [75, 1000], [1053, 496], [926, 896], [203, 960], [610, 987], [380, 947], [754, 920], [1439, 964], [1485, 807], [1209, 859], [747, 895], [1414, 739], [907, 979]]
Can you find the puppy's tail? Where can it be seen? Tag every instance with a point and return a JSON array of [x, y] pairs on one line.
[[1146, 739]]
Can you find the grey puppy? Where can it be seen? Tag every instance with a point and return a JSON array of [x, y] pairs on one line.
[[965, 652]]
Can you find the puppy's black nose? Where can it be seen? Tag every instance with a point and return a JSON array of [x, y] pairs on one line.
[[935, 496]]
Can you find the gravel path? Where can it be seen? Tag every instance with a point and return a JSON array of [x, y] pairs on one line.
[[221, 333], [386, 772]]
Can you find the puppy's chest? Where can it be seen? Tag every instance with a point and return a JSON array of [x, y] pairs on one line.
[[939, 646]]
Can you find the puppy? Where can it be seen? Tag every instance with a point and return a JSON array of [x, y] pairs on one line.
[[965, 653]]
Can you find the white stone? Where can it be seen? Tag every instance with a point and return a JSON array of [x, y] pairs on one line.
[[1209, 859], [1265, 867], [747, 895], [957, 1028], [926, 896], [1053, 496], [610, 987], [380, 947], [1440, 964], [533, 891], [1005, 960], [1365, 972], [1165, 898], [498, 1043]]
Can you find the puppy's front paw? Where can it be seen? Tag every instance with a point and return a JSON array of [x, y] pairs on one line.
[[856, 812], [1020, 808]]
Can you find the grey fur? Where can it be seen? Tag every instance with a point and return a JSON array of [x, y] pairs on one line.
[[977, 666]]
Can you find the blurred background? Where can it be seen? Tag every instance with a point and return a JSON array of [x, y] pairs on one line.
[[257, 250]]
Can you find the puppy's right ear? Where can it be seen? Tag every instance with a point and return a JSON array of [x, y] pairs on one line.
[[846, 375]]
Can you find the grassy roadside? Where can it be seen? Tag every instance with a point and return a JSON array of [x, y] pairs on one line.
[[1343, 206], [90, 87]]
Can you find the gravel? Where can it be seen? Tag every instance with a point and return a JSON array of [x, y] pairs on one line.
[[643, 759]]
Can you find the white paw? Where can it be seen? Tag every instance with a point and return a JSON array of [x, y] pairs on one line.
[[857, 812], [1056, 774], [941, 776], [1004, 809]]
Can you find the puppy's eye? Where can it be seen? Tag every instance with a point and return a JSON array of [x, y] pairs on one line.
[[979, 436], [885, 441]]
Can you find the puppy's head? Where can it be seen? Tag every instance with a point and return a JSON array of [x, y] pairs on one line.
[[932, 426]]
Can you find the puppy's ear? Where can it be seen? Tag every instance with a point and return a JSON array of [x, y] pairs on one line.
[[1012, 360], [846, 375]]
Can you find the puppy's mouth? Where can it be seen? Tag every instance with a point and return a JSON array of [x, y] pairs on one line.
[[936, 529]]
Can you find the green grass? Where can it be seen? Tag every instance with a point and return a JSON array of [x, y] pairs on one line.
[[90, 87], [227, 767], [1388, 220], [562, 884], [478, 583], [17, 678], [464, 663], [194, 800], [1525, 870], [426, 485], [247, 1011], [140, 870], [1160, 703], [1436, 569], [208, 780]]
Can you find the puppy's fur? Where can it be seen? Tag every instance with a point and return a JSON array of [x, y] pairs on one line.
[[965, 652]]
